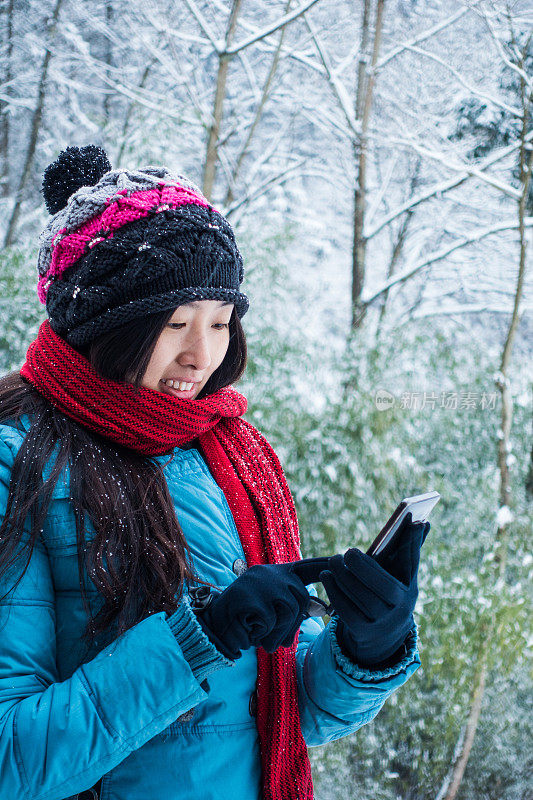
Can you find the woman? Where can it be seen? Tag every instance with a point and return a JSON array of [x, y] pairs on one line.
[[154, 634]]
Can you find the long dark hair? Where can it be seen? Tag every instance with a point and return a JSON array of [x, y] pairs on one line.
[[123, 492]]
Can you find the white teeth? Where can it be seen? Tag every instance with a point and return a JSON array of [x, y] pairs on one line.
[[181, 385]]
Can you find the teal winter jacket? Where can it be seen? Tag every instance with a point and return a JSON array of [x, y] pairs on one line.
[[160, 713]]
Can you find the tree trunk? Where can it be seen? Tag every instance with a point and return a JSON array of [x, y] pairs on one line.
[[365, 88], [471, 727], [34, 131], [4, 104], [211, 156], [398, 245]]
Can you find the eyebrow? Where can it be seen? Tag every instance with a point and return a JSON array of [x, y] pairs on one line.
[[222, 304]]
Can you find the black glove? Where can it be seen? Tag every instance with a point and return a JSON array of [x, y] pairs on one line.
[[263, 607], [374, 597]]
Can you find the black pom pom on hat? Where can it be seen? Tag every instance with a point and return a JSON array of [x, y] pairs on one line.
[[74, 167]]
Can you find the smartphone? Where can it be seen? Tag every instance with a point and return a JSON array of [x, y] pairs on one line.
[[420, 506], [309, 569]]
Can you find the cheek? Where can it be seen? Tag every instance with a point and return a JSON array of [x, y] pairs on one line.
[[157, 364], [222, 349]]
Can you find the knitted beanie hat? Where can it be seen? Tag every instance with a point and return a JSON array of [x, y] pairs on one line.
[[122, 244]]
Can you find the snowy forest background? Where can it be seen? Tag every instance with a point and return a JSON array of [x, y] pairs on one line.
[[374, 158]]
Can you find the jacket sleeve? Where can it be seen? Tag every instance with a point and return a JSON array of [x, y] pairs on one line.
[[335, 696], [58, 738]]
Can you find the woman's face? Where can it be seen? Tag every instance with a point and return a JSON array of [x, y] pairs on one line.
[[190, 348]]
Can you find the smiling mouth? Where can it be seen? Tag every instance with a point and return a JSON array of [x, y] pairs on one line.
[[185, 393]]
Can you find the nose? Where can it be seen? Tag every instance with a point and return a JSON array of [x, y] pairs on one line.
[[196, 352]]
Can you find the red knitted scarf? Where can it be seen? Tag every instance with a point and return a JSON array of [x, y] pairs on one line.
[[249, 473]]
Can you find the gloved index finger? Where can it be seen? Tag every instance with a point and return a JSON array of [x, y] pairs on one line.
[[309, 569]]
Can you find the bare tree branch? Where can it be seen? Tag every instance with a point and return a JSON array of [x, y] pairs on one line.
[[272, 28], [292, 55], [515, 112], [257, 116], [474, 308], [475, 172], [193, 97], [337, 86], [34, 128], [264, 187], [514, 67], [218, 46], [273, 149], [161, 104], [437, 189], [424, 35], [439, 255], [129, 112]]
